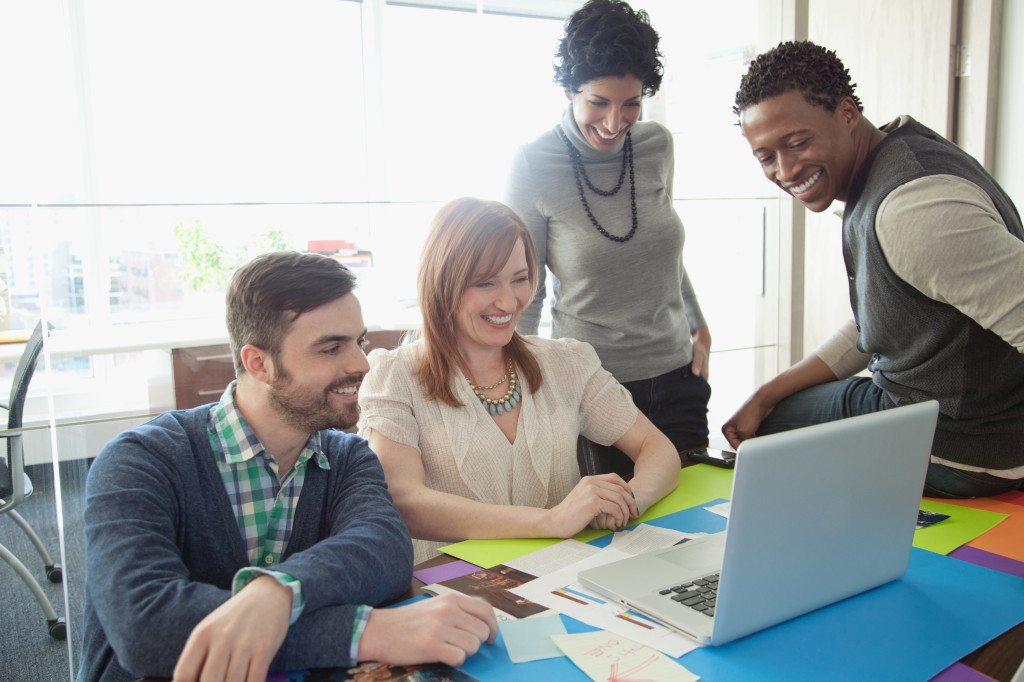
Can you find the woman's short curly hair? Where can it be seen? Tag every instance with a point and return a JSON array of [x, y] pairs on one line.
[[608, 38], [796, 65]]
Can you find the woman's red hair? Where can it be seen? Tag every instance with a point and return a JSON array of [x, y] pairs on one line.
[[469, 240]]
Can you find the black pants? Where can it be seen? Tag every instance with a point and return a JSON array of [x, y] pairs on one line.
[[677, 403]]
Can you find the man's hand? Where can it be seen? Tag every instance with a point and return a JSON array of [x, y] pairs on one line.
[[811, 371], [448, 628], [745, 422], [239, 639]]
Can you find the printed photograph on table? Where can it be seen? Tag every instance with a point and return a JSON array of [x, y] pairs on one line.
[[493, 585]]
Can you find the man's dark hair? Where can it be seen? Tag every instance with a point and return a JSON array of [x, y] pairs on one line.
[[796, 65], [607, 38], [269, 292]]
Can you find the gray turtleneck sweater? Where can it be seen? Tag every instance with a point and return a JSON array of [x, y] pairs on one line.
[[631, 301]]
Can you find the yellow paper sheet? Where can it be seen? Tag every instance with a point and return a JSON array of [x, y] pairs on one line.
[[697, 484], [604, 656], [963, 525]]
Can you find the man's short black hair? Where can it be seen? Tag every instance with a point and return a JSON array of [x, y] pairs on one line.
[[796, 65]]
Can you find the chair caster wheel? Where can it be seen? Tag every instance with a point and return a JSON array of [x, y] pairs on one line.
[[54, 573], [58, 629]]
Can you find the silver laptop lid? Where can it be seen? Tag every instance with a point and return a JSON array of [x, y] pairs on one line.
[[819, 514]]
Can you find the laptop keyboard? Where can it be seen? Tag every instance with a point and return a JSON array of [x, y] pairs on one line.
[[700, 594]]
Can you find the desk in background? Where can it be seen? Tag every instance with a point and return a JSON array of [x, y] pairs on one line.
[[183, 364], [202, 372], [180, 333]]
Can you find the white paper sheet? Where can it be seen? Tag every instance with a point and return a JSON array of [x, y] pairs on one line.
[[553, 557], [647, 538], [561, 591], [605, 656]]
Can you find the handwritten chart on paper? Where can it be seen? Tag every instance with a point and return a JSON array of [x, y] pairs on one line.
[[607, 657]]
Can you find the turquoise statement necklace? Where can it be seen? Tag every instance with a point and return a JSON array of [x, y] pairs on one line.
[[506, 402]]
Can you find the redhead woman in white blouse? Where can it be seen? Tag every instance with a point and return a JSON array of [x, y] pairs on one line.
[[476, 426]]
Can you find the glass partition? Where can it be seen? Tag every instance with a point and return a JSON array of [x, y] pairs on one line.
[[158, 145]]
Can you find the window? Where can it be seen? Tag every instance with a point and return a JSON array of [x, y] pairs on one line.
[[173, 140]]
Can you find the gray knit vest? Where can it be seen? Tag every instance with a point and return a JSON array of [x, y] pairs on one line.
[[923, 349]]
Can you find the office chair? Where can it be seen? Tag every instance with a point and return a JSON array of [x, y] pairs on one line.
[[15, 484], [602, 459], [607, 459]]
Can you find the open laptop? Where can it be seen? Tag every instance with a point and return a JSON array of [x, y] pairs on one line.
[[817, 515]]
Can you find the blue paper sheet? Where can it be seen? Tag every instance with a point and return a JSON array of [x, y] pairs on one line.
[[910, 629]]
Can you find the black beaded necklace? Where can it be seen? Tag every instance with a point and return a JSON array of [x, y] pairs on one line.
[[581, 175]]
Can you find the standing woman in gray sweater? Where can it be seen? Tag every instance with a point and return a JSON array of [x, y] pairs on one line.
[[596, 192]]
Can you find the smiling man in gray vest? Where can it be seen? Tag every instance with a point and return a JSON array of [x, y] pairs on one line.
[[934, 251]]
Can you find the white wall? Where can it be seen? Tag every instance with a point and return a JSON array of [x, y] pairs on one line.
[[1009, 154], [896, 71]]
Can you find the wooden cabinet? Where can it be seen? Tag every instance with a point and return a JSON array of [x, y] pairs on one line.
[[201, 374], [389, 339]]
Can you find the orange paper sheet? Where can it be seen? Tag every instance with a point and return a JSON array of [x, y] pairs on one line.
[[1015, 497], [1006, 538]]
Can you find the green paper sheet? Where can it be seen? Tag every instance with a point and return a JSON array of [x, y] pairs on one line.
[[963, 525], [697, 484]]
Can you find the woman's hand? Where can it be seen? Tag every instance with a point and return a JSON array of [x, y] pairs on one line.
[[701, 339], [606, 522], [605, 499]]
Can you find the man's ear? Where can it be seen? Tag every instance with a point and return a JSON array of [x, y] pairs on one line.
[[257, 362], [848, 112]]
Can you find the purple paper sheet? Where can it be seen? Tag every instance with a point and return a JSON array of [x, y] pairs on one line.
[[437, 574], [958, 672], [989, 560]]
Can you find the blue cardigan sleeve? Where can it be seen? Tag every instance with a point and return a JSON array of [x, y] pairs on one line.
[[363, 554]]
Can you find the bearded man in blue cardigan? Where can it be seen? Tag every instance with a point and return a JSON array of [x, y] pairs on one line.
[[248, 536]]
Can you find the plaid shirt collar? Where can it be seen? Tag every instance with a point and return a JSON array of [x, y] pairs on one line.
[[238, 442]]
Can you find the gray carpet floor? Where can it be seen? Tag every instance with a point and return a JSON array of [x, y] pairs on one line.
[[27, 652]]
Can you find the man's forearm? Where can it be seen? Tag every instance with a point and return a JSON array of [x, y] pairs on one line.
[[811, 371]]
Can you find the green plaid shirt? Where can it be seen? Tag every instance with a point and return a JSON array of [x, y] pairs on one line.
[[264, 504]]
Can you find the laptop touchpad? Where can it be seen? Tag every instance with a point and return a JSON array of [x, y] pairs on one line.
[[697, 556]]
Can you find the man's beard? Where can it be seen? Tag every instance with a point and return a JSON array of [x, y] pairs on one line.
[[309, 411]]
